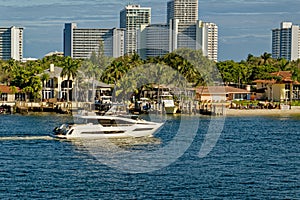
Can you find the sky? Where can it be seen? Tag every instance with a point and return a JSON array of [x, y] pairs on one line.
[[245, 26]]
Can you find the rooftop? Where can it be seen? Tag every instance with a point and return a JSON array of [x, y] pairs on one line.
[[284, 76], [8, 89], [55, 73], [221, 90]]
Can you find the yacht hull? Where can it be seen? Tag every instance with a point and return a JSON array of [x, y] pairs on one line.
[[171, 110], [140, 128]]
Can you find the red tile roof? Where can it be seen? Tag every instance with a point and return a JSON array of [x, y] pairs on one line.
[[220, 90], [265, 81], [286, 77], [7, 89]]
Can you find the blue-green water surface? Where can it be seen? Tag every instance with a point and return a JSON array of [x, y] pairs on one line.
[[254, 158]]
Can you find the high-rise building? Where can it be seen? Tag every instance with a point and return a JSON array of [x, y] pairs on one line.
[[11, 43], [286, 41], [153, 40], [186, 11], [183, 30], [201, 35], [182, 16], [81, 42], [207, 39], [132, 17]]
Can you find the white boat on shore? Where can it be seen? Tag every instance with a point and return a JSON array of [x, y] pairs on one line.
[[108, 126], [168, 103]]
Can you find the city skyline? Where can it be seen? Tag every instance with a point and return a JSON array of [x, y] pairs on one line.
[[244, 27]]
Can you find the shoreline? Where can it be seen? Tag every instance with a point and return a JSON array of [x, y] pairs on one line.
[[294, 111], [262, 112]]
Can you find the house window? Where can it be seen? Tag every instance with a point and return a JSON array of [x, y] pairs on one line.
[[20, 97], [3, 97], [48, 94], [296, 92], [296, 87], [296, 95], [237, 96], [49, 83], [66, 84], [287, 95]]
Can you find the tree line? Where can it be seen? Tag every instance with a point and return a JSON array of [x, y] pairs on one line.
[[255, 68], [129, 73]]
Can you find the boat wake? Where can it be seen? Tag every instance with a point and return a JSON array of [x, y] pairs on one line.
[[19, 138], [119, 143]]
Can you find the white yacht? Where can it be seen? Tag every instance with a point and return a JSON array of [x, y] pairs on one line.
[[168, 103], [107, 126]]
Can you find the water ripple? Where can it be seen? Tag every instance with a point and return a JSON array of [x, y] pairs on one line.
[[254, 158]]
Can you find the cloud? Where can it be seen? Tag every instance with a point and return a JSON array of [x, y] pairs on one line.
[[249, 13], [37, 3], [239, 38]]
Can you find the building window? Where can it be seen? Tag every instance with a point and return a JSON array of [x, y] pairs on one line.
[[4, 97], [287, 95], [20, 97], [49, 83], [66, 84]]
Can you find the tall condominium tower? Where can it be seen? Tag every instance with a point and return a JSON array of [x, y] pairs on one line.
[[207, 39], [186, 11], [11, 43], [183, 30], [153, 40], [80, 43], [286, 41], [131, 19], [199, 36]]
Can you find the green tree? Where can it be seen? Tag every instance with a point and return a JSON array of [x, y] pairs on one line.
[[33, 88], [266, 58], [228, 70], [70, 70], [283, 64]]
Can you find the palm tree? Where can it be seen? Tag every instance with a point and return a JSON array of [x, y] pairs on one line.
[[265, 58], [70, 70], [33, 88], [283, 64], [114, 72], [9, 69], [35, 84]]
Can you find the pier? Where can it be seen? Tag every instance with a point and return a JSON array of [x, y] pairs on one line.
[[190, 107], [213, 107], [26, 107]]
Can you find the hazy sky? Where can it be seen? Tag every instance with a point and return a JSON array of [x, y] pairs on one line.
[[244, 26]]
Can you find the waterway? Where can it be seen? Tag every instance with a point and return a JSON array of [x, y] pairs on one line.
[[246, 157]]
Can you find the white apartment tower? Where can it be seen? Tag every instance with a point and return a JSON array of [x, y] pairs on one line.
[[132, 17], [286, 41], [186, 11], [183, 30], [182, 16], [186, 31], [11, 43], [81, 42], [153, 40], [207, 39]]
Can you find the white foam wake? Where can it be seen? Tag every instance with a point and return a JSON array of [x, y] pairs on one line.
[[25, 138]]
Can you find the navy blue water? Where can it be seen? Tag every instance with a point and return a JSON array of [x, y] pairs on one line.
[[255, 157]]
